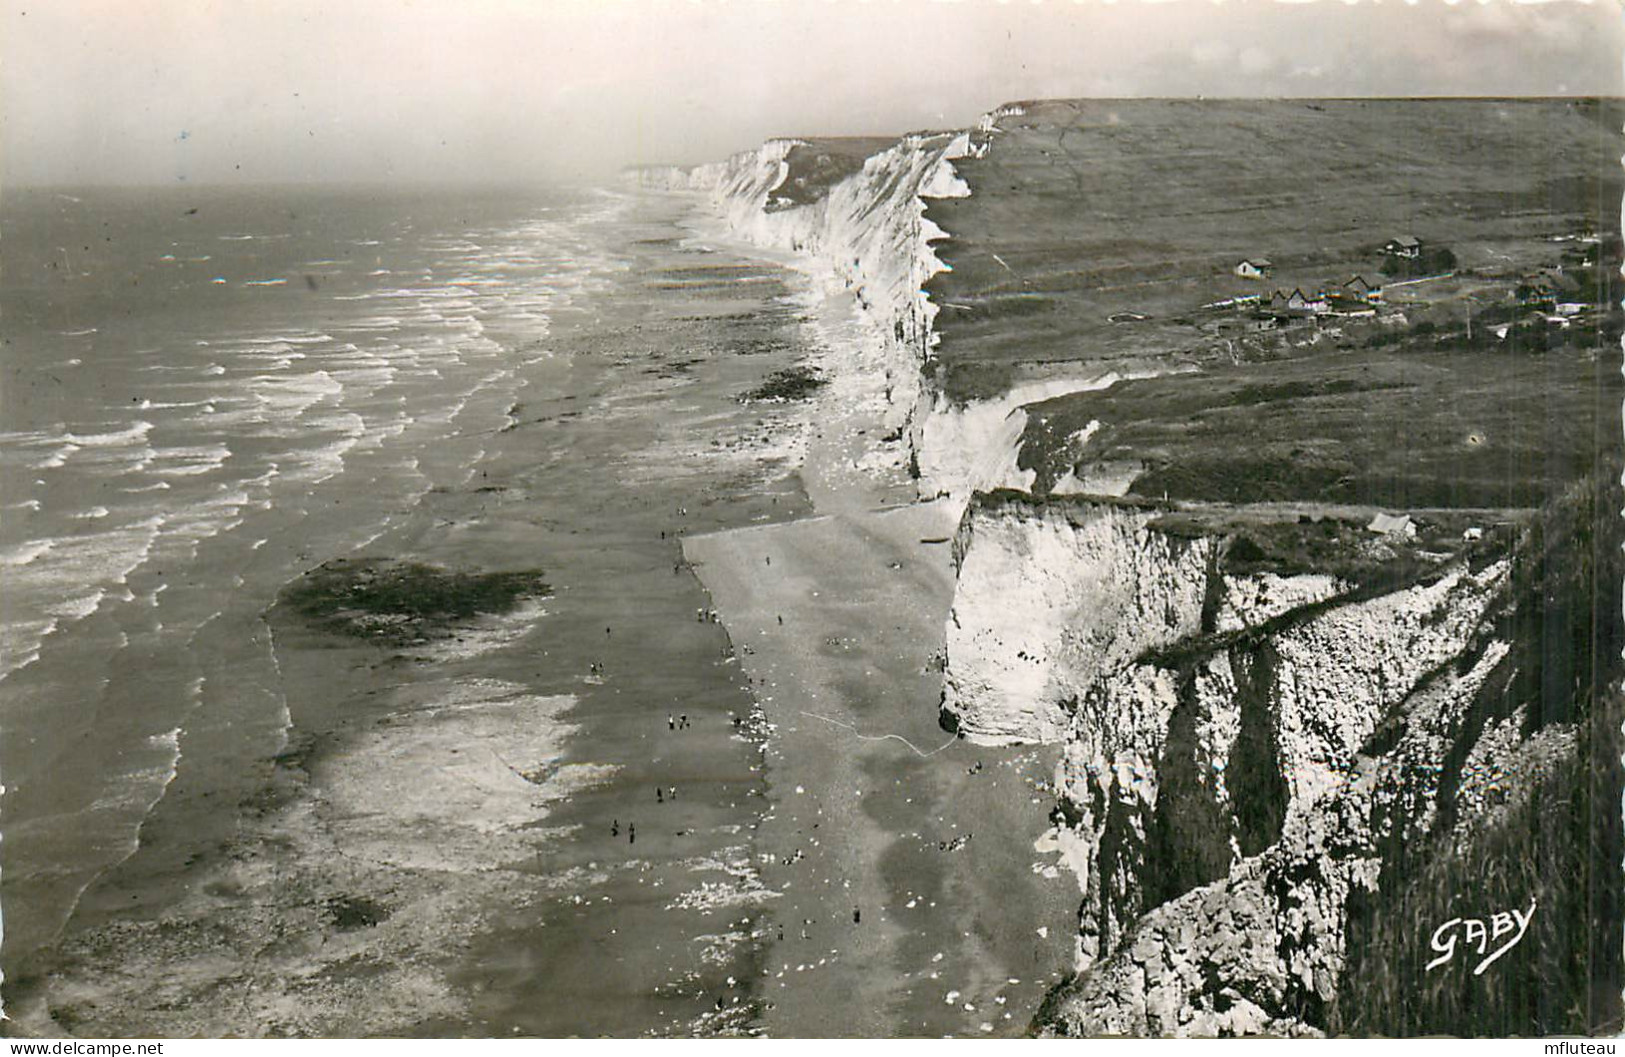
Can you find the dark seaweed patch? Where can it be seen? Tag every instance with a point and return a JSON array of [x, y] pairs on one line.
[[792, 383], [355, 912], [402, 603]]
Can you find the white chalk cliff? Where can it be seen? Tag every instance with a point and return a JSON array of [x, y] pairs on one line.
[[869, 232], [1223, 788], [1238, 750]]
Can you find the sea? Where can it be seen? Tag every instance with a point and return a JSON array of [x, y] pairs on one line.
[[219, 818]]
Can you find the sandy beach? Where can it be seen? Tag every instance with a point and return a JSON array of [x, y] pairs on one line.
[[912, 899]]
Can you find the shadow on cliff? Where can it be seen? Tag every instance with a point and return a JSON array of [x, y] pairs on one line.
[[1558, 843]]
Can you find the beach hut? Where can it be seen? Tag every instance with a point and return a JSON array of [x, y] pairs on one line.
[[1254, 268]]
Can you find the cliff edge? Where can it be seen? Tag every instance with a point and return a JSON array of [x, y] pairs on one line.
[[1286, 438]]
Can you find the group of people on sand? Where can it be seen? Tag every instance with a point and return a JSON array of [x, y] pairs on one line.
[[679, 722], [808, 923]]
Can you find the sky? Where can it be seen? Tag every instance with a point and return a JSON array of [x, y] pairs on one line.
[[272, 91]]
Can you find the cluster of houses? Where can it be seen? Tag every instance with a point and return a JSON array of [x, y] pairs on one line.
[[1558, 296], [1356, 297]]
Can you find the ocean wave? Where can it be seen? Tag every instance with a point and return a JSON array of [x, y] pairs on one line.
[[265, 282], [290, 396], [374, 323], [315, 465], [55, 582], [307, 338], [78, 607], [58, 458], [26, 553], [20, 643], [167, 405], [189, 460]]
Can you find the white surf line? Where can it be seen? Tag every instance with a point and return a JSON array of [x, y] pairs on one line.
[[881, 737]]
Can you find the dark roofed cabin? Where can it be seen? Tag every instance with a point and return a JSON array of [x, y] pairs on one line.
[[1358, 287], [1403, 246]]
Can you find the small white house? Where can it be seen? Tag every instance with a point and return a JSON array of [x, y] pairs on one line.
[[1311, 304], [1393, 525], [1473, 535], [1254, 268]]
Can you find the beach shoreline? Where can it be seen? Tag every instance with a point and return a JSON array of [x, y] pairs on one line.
[[914, 901]]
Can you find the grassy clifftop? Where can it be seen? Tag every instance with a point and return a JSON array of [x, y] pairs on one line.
[[815, 165], [1082, 210], [1378, 427]]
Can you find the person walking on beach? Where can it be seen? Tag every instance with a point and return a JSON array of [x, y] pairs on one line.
[[631, 833], [857, 916], [671, 724], [659, 798], [615, 828]]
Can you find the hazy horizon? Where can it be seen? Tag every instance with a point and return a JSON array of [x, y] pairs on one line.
[[504, 92]]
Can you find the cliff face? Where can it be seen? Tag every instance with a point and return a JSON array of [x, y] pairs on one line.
[[863, 222], [1053, 594], [1254, 754], [1238, 750], [864, 227]]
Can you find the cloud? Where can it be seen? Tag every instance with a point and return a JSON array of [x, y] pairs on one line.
[[507, 89]]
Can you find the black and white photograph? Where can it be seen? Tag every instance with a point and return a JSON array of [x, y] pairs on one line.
[[673, 519]]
